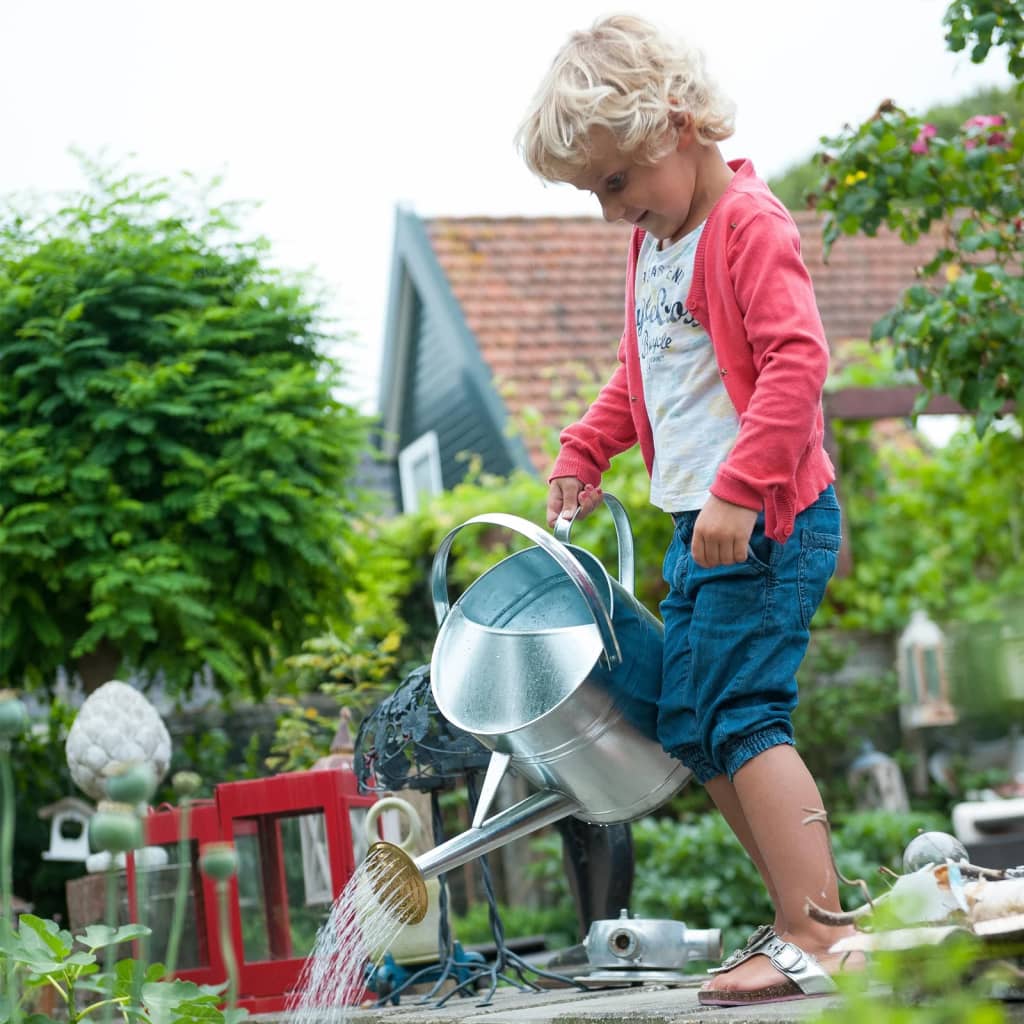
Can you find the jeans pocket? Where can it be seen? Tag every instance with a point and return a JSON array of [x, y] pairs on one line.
[[673, 565], [819, 554]]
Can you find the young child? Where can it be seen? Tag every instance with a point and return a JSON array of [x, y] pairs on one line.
[[722, 363]]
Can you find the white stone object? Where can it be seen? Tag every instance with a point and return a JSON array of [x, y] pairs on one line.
[[987, 900], [146, 857], [115, 725], [101, 860]]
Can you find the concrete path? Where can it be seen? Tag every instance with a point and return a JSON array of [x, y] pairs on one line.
[[646, 1004]]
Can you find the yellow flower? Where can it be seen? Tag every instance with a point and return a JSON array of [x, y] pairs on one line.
[[952, 272], [854, 177]]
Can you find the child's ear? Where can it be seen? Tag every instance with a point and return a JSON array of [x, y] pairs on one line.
[[682, 121]]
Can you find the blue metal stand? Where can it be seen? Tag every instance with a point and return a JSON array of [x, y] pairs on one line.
[[388, 980]]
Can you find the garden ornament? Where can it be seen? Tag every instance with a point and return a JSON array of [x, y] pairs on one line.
[[116, 726]]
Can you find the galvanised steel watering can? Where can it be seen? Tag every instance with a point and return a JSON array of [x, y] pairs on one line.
[[556, 667]]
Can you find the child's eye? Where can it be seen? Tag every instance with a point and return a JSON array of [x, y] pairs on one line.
[[616, 183]]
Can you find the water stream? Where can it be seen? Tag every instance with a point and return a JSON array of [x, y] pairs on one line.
[[364, 921]]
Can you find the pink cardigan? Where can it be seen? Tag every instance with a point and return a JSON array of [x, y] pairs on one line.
[[753, 294]]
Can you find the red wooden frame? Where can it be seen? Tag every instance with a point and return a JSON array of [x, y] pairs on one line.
[[256, 807]]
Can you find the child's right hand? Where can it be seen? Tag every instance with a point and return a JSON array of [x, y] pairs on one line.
[[566, 493]]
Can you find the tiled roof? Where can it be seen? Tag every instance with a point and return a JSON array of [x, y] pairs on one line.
[[544, 295]]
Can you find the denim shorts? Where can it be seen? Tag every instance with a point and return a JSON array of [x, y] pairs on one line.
[[735, 636]]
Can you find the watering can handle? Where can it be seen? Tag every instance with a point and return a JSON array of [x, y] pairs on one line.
[[394, 803], [623, 537], [566, 562]]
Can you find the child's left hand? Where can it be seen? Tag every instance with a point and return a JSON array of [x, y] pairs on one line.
[[721, 533]]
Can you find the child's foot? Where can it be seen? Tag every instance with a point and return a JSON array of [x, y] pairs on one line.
[[773, 968]]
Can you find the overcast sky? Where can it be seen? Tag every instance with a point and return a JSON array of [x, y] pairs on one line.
[[332, 113]]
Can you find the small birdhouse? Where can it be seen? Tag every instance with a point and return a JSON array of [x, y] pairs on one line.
[[923, 676], [69, 829]]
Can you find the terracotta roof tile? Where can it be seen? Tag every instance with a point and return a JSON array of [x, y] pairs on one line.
[[543, 295]]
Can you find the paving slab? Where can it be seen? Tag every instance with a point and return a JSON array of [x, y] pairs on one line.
[[641, 1004]]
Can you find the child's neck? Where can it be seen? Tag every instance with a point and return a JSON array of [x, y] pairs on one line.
[[713, 177]]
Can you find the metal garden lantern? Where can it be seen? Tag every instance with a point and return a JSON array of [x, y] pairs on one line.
[[924, 688], [923, 675]]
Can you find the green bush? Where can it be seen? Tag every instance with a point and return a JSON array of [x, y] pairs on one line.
[[696, 871], [556, 923], [175, 471]]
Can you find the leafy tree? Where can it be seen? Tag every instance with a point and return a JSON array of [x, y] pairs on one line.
[[959, 328], [796, 185], [173, 461]]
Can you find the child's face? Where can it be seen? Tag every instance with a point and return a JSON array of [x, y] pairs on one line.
[[659, 198]]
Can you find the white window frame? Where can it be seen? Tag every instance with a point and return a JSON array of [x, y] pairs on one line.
[[409, 458]]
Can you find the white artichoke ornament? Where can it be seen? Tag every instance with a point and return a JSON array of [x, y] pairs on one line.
[[116, 725]]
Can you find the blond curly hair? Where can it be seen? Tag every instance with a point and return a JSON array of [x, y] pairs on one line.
[[629, 77]]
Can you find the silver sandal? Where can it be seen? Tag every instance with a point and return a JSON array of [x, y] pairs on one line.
[[805, 977]]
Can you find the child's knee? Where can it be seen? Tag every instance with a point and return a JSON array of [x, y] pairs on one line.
[[733, 752]]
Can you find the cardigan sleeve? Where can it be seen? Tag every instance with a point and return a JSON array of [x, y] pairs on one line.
[[605, 430], [790, 356]]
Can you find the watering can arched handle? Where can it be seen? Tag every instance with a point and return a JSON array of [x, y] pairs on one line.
[[566, 562], [394, 803], [623, 538]]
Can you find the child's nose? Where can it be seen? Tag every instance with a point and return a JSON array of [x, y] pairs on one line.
[[612, 210]]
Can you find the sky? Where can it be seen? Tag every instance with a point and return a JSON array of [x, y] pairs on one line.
[[332, 113]]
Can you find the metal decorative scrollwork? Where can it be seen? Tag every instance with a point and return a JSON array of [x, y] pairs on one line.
[[405, 742]]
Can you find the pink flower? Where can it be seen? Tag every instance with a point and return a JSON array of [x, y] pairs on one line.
[[978, 130], [984, 121], [920, 144]]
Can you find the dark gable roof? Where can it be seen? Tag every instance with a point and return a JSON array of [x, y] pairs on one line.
[[544, 295]]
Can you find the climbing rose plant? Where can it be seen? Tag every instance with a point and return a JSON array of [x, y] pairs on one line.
[[959, 328]]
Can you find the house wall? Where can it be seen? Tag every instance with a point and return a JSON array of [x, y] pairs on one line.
[[444, 396]]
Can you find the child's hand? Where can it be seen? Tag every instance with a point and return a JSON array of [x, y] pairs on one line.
[[721, 533], [566, 493]]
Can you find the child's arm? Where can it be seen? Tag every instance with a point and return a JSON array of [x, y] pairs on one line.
[[605, 430], [790, 357]]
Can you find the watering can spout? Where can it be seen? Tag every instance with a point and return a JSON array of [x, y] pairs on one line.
[[399, 880]]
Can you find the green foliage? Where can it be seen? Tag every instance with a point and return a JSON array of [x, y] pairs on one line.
[[796, 186], [832, 719], [984, 24], [864, 842], [211, 754], [410, 541], [173, 464], [937, 529], [958, 331], [41, 777], [46, 956], [948, 118], [696, 871], [556, 923], [933, 984]]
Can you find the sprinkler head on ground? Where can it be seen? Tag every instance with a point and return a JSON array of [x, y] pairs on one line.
[[397, 883]]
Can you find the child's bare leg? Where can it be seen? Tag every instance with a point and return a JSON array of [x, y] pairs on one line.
[[723, 793], [774, 791]]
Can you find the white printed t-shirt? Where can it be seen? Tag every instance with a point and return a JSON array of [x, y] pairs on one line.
[[692, 418]]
